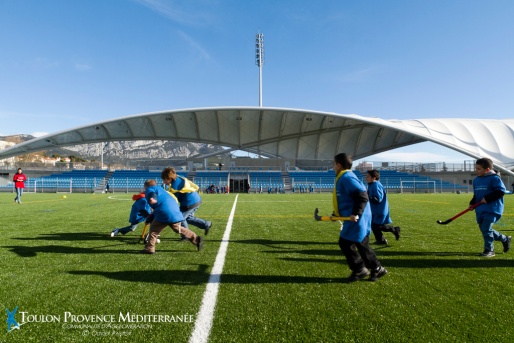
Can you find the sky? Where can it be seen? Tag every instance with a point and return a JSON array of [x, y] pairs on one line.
[[65, 64]]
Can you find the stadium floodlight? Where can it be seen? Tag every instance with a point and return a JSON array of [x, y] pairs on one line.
[[259, 60]]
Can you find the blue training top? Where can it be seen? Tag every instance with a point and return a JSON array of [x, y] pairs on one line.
[[166, 209], [379, 205], [187, 200], [138, 205], [348, 189], [482, 186]]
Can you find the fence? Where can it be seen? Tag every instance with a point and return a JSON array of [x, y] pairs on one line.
[[58, 185]]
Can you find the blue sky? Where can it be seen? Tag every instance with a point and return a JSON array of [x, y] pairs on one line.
[[67, 63]]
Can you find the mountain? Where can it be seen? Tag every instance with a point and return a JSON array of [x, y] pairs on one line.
[[122, 150]]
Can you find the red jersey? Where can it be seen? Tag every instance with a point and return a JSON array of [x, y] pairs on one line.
[[19, 180]]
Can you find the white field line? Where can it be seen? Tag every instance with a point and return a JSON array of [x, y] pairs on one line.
[[205, 316]]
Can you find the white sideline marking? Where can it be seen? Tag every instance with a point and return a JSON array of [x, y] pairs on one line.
[[205, 316]]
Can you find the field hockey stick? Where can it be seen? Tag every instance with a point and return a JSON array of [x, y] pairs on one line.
[[142, 238], [328, 218], [458, 214]]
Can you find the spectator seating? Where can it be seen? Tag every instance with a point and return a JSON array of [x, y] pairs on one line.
[[206, 178], [266, 179], [391, 179], [317, 179], [85, 180], [123, 180], [133, 180]]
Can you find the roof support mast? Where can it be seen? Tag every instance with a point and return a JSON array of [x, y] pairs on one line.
[[259, 60]]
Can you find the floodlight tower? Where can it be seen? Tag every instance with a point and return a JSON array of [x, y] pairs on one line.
[[259, 60]]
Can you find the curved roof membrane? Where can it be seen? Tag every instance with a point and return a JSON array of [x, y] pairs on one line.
[[292, 133]]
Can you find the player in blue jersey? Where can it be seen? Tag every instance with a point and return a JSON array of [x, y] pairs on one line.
[[377, 196], [488, 189], [166, 212], [350, 199], [187, 195], [138, 213]]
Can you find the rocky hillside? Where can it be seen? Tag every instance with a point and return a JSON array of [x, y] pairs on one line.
[[123, 149]]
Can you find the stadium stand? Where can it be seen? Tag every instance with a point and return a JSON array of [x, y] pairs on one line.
[[206, 178], [76, 181], [321, 181], [266, 179]]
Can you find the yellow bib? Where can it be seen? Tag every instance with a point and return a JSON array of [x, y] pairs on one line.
[[189, 187], [334, 193]]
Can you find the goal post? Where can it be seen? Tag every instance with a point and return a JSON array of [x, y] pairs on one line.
[[418, 186]]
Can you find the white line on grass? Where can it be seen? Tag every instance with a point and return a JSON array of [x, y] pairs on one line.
[[114, 197], [203, 323]]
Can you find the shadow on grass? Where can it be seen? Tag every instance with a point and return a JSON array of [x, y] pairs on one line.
[[427, 260], [130, 238], [201, 276], [273, 243], [75, 236], [24, 251], [317, 252], [479, 262]]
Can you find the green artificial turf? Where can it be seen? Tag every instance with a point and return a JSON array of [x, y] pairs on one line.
[[283, 277]]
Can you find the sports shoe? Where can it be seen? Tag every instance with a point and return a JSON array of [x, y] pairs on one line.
[[396, 232], [115, 232], [207, 228], [144, 251], [358, 276], [199, 243], [487, 253], [383, 242], [506, 244], [377, 274]]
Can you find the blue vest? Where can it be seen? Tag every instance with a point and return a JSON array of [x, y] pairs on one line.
[[483, 185], [380, 210], [348, 185], [138, 205], [166, 209]]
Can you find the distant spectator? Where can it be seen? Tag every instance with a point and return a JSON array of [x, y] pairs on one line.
[[210, 189], [19, 184]]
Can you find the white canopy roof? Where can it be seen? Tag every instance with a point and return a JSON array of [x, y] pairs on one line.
[[292, 133]]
